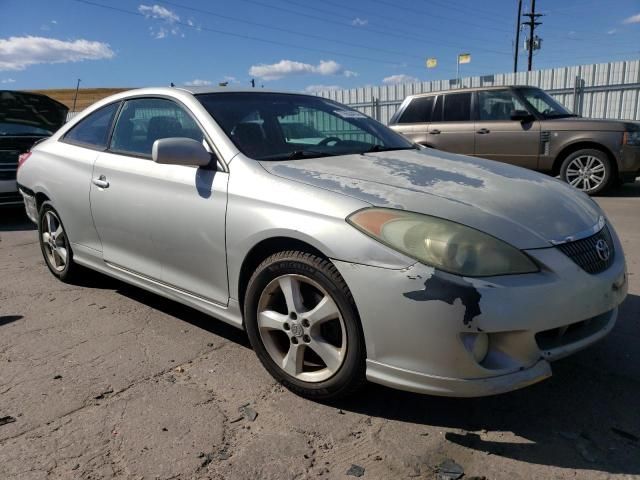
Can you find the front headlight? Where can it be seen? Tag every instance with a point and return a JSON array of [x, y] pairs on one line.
[[442, 244], [632, 138]]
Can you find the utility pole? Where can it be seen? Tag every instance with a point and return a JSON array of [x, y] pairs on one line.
[[515, 55], [75, 97], [532, 41]]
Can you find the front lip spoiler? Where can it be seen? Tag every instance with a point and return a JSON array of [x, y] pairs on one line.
[[580, 235]]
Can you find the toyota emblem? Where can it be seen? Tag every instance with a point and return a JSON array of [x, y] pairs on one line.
[[602, 249]]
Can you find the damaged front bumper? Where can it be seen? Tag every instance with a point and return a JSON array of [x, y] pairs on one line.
[[417, 322]]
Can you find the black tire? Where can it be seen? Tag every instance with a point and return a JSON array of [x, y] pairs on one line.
[[69, 272], [568, 175], [351, 374]]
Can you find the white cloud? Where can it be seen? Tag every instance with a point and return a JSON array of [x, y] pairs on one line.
[[321, 88], [350, 73], [230, 79], [286, 68], [198, 83], [401, 78], [613, 31], [17, 53], [632, 19], [359, 22], [166, 19], [7, 80], [158, 12]]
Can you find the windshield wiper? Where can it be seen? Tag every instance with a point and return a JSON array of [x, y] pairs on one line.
[[562, 115], [381, 148], [299, 154]]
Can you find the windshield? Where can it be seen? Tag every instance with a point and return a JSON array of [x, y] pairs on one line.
[[280, 126], [9, 129], [544, 104]]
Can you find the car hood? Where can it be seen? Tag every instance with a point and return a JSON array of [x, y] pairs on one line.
[[31, 109], [589, 124], [519, 206]]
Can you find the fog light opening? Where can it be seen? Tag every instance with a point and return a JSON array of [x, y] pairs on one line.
[[477, 344]]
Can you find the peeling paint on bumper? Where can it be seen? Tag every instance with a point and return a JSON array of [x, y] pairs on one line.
[[414, 340]]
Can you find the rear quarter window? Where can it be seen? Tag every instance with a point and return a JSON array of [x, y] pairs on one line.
[[419, 110], [93, 131]]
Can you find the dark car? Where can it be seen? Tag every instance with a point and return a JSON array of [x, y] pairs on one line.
[[524, 126], [25, 119]]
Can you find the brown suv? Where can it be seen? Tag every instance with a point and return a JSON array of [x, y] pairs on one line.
[[524, 126]]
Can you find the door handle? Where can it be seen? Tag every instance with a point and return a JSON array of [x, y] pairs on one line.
[[101, 181], [482, 131], [434, 132]]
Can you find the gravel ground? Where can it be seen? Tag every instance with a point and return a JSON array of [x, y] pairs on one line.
[[103, 380]]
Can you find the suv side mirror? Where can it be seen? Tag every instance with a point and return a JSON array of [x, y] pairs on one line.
[[521, 116], [180, 151]]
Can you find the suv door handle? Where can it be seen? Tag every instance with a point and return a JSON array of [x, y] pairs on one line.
[[101, 181], [434, 132], [482, 131]]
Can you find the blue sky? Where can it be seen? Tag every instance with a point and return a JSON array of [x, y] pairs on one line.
[[293, 44]]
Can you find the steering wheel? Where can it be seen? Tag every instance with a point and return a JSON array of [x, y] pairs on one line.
[[547, 112], [324, 142]]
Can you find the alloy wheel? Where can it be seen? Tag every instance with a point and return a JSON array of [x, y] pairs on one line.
[[586, 173], [302, 328], [54, 241]]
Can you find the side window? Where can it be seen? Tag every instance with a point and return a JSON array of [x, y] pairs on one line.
[[142, 121], [497, 105], [93, 131], [457, 107], [418, 111]]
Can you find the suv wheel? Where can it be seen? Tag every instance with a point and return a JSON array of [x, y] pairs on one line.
[[302, 323], [587, 170], [54, 244]]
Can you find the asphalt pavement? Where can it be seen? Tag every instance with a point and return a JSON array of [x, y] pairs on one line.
[[104, 380]]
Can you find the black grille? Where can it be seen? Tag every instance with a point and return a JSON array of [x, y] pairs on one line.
[[584, 252]]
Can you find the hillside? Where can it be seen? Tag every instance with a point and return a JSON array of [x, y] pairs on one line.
[[86, 96]]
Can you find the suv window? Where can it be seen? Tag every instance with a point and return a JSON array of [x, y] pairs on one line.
[[418, 111], [497, 105], [93, 131], [457, 107], [142, 121]]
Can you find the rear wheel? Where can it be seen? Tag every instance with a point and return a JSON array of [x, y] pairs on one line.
[[303, 325], [54, 244], [587, 170]]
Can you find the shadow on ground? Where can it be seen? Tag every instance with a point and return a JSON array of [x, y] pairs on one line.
[[13, 219], [625, 190]]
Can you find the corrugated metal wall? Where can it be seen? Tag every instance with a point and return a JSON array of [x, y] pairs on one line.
[[603, 90]]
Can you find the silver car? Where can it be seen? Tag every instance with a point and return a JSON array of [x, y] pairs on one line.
[[357, 255]]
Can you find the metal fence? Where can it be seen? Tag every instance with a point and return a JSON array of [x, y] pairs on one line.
[[603, 90]]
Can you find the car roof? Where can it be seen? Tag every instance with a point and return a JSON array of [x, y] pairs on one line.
[[469, 89], [206, 89]]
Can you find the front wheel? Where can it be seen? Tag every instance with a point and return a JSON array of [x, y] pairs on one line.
[[303, 325], [587, 170]]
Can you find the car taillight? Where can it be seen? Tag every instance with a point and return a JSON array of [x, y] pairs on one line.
[[23, 158]]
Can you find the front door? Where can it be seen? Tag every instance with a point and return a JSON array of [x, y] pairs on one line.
[[500, 138], [164, 222]]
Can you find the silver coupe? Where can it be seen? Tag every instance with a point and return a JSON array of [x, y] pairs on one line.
[[345, 251]]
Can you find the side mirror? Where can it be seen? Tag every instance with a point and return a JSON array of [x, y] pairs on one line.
[[521, 116], [180, 151]]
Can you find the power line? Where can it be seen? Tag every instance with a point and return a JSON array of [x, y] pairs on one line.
[[402, 22], [432, 15], [239, 35], [381, 32], [285, 30], [477, 12]]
